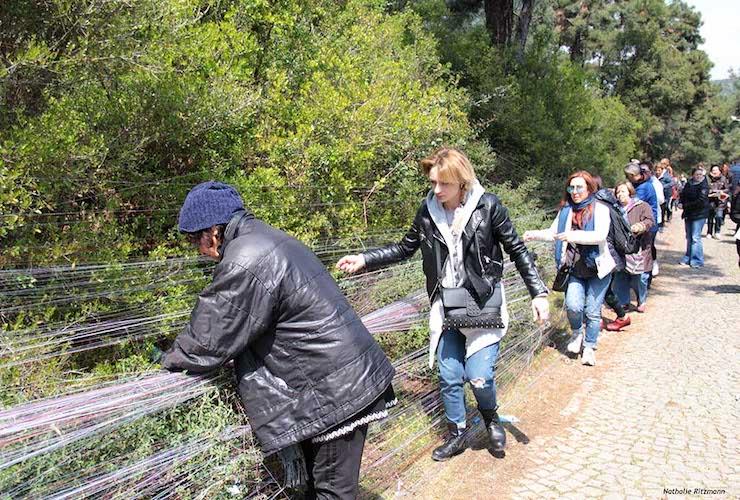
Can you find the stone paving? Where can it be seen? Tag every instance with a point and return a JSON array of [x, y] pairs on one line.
[[659, 420]]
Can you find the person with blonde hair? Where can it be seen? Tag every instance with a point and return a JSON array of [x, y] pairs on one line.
[[461, 229]]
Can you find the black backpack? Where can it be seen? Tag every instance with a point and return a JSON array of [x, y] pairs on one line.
[[620, 236]]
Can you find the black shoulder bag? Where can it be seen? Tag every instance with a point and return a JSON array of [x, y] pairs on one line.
[[461, 310], [560, 283]]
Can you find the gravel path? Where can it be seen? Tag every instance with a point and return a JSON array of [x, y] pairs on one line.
[[656, 418]]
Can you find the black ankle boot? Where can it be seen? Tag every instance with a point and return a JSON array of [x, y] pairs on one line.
[[453, 445], [496, 432]]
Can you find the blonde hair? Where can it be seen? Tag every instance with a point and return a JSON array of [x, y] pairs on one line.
[[452, 166]]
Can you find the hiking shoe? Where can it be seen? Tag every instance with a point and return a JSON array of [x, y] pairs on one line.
[[589, 356], [575, 343], [496, 432], [618, 324], [453, 445]]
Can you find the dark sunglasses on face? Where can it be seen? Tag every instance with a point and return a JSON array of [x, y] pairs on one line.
[[575, 189]]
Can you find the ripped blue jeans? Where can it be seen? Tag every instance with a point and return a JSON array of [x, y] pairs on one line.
[[479, 369]]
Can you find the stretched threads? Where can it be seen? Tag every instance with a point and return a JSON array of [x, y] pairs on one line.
[[410, 371], [145, 476], [392, 430], [42, 426]]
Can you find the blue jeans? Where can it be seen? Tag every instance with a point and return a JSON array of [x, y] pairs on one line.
[[694, 249], [454, 369], [583, 301], [624, 282]]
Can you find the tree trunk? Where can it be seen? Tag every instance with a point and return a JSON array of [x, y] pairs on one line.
[[499, 20], [522, 27], [576, 49]]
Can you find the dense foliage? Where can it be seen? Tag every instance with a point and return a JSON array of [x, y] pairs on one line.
[[317, 111], [114, 109]]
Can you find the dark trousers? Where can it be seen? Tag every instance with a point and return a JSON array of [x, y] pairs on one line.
[[334, 466], [666, 212], [714, 221], [612, 301]]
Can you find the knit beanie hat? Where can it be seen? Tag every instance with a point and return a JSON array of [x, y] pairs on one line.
[[208, 204]]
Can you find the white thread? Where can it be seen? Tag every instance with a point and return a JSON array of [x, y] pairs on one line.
[[346, 429]]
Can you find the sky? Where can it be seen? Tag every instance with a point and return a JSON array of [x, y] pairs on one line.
[[721, 33]]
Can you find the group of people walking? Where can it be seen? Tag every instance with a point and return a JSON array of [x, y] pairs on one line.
[[603, 264], [706, 198], [311, 376]]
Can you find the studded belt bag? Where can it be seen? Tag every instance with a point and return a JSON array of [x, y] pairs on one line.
[[461, 310]]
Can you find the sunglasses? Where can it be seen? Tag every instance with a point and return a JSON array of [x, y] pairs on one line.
[[575, 189]]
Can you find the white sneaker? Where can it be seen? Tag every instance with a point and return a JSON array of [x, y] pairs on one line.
[[589, 356], [574, 345]]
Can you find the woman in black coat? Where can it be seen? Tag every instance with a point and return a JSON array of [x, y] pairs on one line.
[[695, 202], [310, 375], [462, 232]]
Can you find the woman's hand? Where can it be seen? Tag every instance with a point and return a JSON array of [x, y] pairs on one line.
[[564, 236], [638, 228], [540, 309], [351, 263], [528, 236]]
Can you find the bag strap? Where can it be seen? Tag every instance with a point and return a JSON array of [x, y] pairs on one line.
[[570, 254], [438, 259]]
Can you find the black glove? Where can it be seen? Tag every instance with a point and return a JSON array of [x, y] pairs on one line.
[[294, 465], [155, 354]]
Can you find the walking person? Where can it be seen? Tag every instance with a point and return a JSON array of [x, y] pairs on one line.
[[735, 217], [461, 230], [632, 277], [719, 192], [726, 173], [666, 180], [647, 170], [610, 299], [580, 232], [675, 192], [645, 190], [695, 202], [734, 180], [310, 375], [734, 175]]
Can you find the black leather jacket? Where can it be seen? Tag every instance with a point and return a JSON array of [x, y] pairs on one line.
[[488, 229], [304, 361]]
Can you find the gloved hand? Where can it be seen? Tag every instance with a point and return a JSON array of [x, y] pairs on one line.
[[294, 465], [155, 354]]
